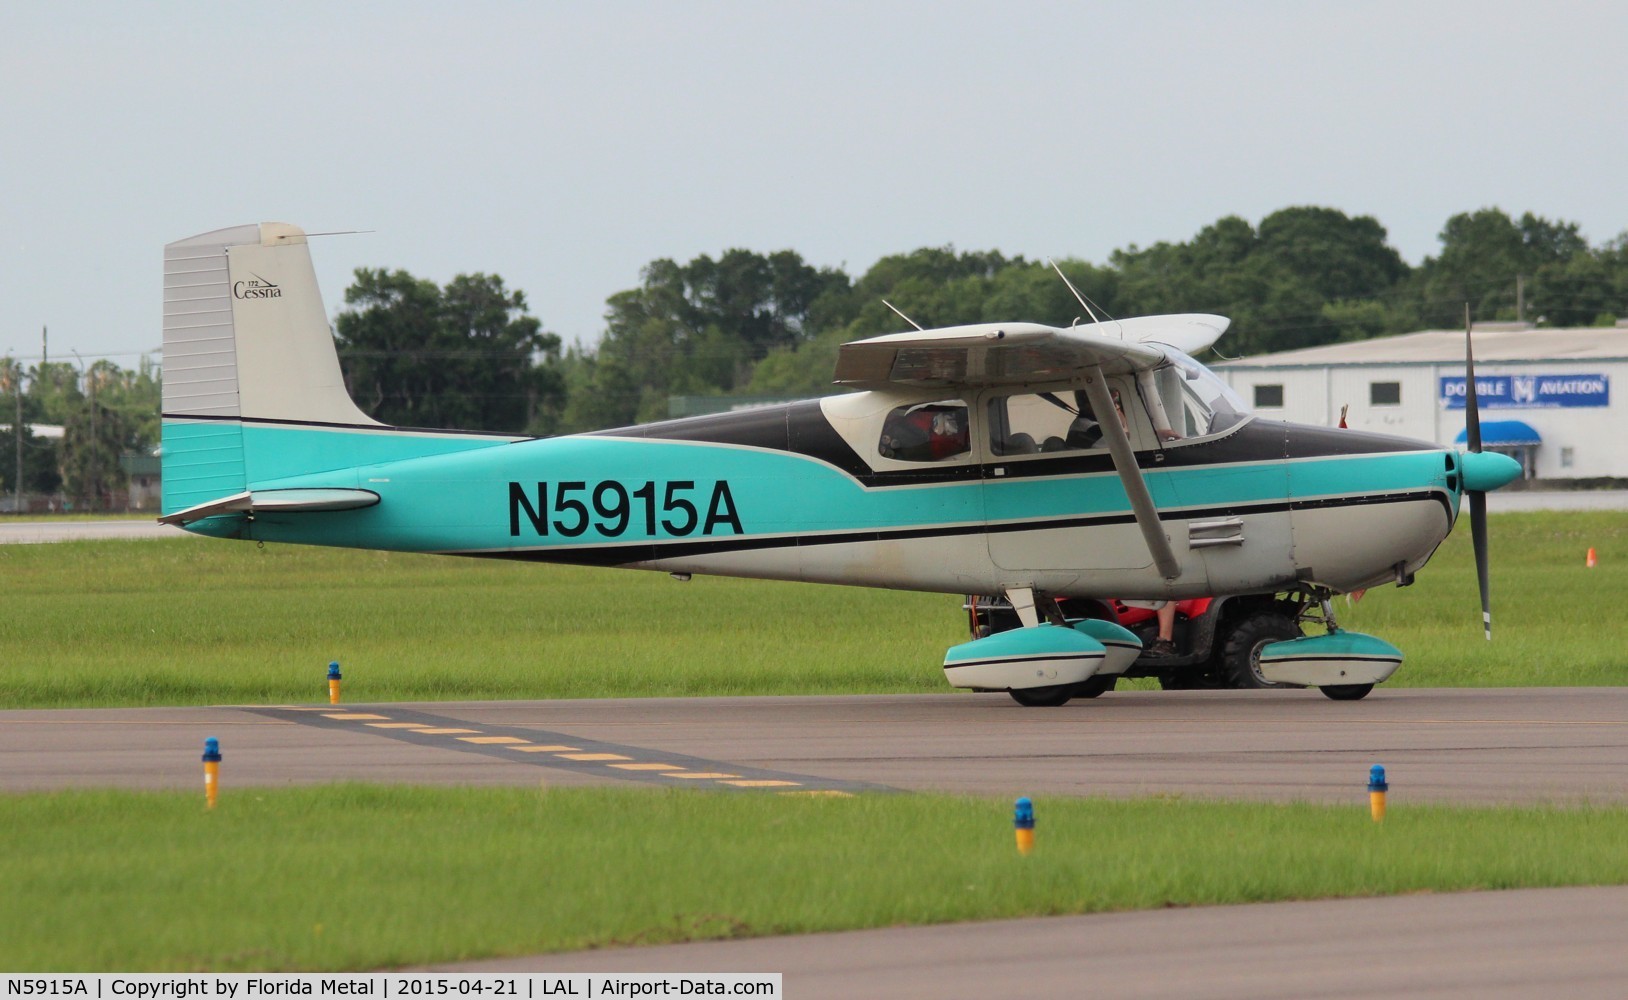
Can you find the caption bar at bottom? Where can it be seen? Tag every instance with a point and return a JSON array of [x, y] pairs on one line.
[[389, 985]]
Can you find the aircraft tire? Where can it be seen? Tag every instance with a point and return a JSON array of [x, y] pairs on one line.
[[1346, 692], [1043, 697], [1241, 655], [1092, 687]]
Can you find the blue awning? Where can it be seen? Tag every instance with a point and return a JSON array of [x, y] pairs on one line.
[[1503, 434]]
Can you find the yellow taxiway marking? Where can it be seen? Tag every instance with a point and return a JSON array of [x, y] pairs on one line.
[[443, 732], [594, 756], [763, 784], [826, 792], [542, 749], [397, 725], [491, 739], [709, 775], [348, 716], [648, 767]]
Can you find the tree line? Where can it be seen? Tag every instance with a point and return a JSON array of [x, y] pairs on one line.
[[754, 324], [471, 355], [106, 413]]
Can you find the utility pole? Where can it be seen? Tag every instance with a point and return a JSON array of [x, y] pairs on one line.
[[1520, 298], [17, 430], [17, 427]]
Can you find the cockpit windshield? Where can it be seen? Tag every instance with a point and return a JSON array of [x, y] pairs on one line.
[[1208, 404]]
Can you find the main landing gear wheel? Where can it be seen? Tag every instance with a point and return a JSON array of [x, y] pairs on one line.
[[1241, 657], [1052, 697], [1091, 687], [1346, 692], [1043, 697]]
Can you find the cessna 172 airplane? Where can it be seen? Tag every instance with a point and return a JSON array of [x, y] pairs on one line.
[[1000, 458]]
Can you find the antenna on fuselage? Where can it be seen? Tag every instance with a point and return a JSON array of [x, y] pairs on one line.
[[901, 315], [1077, 296], [1084, 302]]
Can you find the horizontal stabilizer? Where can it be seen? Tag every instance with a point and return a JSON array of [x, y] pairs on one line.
[[276, 501]]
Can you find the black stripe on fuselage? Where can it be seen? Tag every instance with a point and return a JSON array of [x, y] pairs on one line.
[[376, 428], [625, 555], [802, 429]]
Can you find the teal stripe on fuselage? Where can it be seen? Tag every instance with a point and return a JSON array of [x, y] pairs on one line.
[[206, 460], [462, 501]]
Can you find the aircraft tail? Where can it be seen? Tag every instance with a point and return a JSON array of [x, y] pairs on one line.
[[246, 341]]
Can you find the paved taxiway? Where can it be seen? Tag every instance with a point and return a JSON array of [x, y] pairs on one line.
[[1528, 943], [1503, 745], [34, 532], [1467, 745]]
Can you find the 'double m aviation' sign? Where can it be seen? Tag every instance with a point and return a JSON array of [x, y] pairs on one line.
[[1503, 392]]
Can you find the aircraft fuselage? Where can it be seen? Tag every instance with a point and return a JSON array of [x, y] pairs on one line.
[[793, 492]]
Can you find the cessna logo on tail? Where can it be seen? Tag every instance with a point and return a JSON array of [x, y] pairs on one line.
[[257, 288]]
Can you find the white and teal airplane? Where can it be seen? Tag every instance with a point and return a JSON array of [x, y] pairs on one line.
[[985, 459]]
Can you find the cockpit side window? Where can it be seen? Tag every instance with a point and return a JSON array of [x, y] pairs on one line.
[[926, 432], [1042, 422]]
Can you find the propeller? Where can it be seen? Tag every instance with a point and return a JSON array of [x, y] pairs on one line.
[[1482, 472], [1478, 498]]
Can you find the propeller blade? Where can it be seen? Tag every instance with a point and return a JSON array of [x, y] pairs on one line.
[[1478, 498], [1472, 411], [1478, 535]]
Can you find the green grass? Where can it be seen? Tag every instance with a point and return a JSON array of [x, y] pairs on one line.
[[1555, 621], [358, 877], [168, 622]]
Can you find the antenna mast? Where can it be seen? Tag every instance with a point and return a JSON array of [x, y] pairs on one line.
[[1081, 299], [902, 316]]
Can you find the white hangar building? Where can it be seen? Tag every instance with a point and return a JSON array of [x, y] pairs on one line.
[[1545, 394]]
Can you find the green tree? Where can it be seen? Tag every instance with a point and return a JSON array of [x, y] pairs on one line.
[[40, 472], [109, 418], [465, 356], [1484, 254], [699, 329], [1275, 284], [934, 286]]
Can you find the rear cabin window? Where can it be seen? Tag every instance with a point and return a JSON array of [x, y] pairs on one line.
[[926, 432], [1040, 423]]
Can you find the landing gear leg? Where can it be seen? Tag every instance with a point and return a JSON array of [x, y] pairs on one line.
[[1338, 692]]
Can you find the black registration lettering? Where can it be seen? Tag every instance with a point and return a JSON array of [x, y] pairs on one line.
[[609, 508], [721, 510]]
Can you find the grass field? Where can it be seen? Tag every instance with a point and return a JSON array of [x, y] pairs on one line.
[[211, 622], [361, 877]]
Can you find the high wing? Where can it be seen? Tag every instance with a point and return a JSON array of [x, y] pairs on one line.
[[1015, 353]]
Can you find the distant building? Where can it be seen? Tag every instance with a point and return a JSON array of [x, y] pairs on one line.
[[145, 477], [1545, 394]]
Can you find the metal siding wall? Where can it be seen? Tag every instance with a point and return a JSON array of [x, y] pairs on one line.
[[1598, 437]]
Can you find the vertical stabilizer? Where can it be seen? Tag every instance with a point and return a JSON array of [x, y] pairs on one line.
[[246, 338]]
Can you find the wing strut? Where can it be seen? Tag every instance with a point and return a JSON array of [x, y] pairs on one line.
[[1130, 475]]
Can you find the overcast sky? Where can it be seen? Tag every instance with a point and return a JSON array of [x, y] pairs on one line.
[[565, 145]]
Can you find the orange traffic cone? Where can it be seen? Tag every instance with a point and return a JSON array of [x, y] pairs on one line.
[[1589, 562]]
